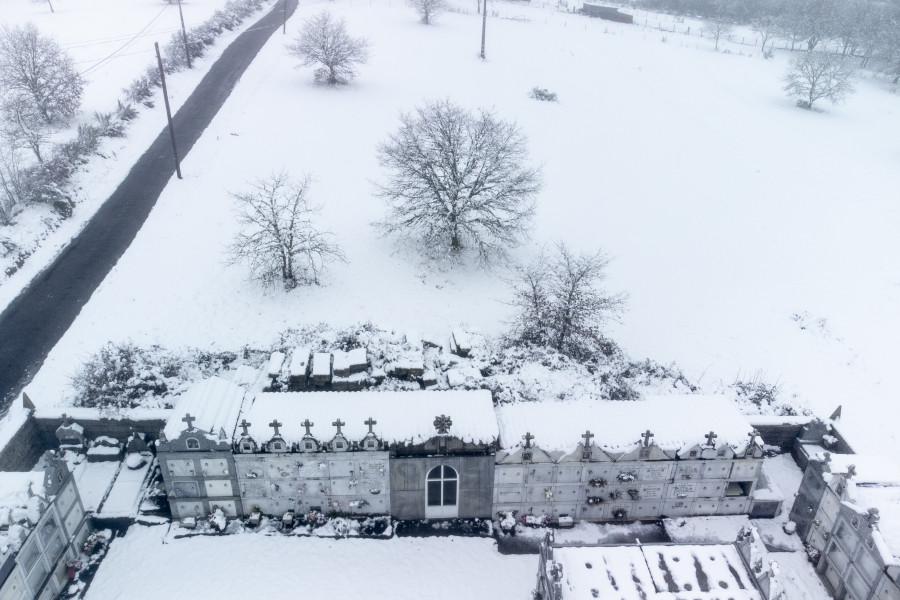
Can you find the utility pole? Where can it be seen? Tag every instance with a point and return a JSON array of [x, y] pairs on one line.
[[284, 25], [187, 51], [162, 76], [483, 26]]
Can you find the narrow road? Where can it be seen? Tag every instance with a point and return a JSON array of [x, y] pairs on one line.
[[35, 321]]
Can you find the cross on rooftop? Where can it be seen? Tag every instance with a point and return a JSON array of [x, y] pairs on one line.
[[442, 423], [338, 424], [245, 425], [370, 421], [189, 420], [647, 435], [528, 438], [275, 424], [710, 438], [307, 423], [587, 438]]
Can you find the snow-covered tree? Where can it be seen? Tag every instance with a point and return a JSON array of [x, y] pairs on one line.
[[35, 70], [766, 27], [721, 22], [279, 240], [458, 179], [815, 75], [560, 303], [324, 40], [429, 9]]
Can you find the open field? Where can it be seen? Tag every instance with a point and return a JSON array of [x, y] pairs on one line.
[[751, 237]]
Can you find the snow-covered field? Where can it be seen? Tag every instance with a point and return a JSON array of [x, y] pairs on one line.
[[276, 567], [753, 238]]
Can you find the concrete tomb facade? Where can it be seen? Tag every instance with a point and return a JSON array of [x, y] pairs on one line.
[[452, 454]]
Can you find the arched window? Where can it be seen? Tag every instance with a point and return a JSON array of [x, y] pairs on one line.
[[193, 444], [443, 484]]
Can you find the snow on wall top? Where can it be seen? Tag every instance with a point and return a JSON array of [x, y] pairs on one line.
[[214, 403], [887, 501], [401, 416], [677, 421], [638, 572], [868, 468], [17, 509]]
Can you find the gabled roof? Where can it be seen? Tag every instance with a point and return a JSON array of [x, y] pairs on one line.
[[676, 422], [213, 403], [401, 416]]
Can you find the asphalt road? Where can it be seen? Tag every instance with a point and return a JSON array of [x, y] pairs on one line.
[[35, 321]]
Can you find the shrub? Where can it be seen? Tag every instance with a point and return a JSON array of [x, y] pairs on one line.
[[543, 94]]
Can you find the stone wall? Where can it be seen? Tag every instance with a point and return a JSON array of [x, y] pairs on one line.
[[25, 447], [38, 434]]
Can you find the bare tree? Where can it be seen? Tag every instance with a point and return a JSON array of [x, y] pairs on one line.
[[766, 27], [324, 40], [36, 68], [814, 75], [429, 9], [458, 180], [13, 184], [560, 303], [22, 125], [278, 239]]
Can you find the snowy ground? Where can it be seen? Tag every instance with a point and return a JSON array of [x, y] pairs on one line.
[[752, 237], [111, 42], [277, 567]]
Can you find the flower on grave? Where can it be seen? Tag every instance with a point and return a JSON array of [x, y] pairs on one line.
[[322, 466], [252, 474], [599, 482], [626, 476], [375, 491], [619, 513], [615, 494], [592, 500], [548, 493], [352, 482], [634, 494]]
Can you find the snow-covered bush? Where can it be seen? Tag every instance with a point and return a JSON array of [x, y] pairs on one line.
[[543, 94]]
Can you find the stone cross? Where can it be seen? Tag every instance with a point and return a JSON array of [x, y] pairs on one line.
[[442, 423], [338, 424], [67, 421], [528, 438], [370, 422], [275, 424], [189, 420], [754, 434], [647, 435], [307, 423], [851, 471], [587, 438], [245, 425], [710, 438]]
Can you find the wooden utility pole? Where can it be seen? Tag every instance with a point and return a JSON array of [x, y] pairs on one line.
[[187, 51], [284, 24], [483, 26], [162, 76]]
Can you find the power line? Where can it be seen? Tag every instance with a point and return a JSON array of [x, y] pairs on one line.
[[126, 44]]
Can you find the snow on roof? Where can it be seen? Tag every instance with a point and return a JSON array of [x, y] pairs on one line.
[[275, 361], [707, 572], [887, 500], [215, 404], [869, 468], [401, 416], [676, 421], [17, 508], [299, 361]]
